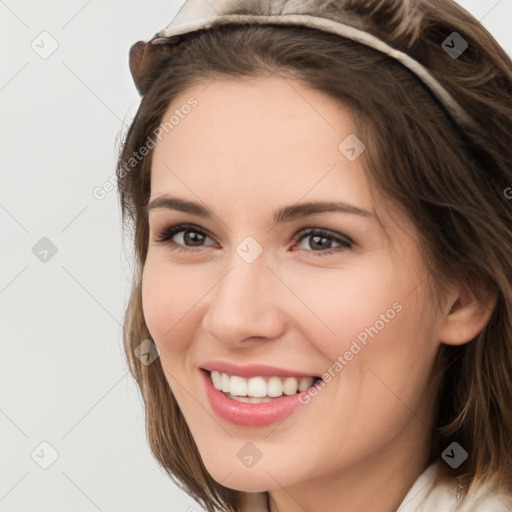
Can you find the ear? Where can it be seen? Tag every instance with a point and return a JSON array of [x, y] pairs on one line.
[[467, 316], [143, 58]]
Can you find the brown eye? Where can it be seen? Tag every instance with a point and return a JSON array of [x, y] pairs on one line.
[[320, 241], [192, 236]]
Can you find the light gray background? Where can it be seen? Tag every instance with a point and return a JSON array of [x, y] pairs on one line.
[[62, 371]]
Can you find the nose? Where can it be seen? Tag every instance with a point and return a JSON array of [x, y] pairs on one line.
[[246, 304]]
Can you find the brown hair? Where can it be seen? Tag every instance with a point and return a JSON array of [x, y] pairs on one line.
[[450, 183]]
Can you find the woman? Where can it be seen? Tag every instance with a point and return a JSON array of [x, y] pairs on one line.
[[321, 313]]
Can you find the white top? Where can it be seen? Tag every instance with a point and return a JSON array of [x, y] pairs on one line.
[[423, 496]]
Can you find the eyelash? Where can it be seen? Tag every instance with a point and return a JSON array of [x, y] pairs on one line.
[[167, 233]]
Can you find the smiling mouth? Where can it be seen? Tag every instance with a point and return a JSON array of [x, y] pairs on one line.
[[257, 390]]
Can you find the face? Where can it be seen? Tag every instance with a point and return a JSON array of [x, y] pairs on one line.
[[313, 293]]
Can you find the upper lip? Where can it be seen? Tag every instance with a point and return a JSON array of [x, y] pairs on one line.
[[252, 370]]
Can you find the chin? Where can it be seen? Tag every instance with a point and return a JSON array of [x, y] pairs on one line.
[[248, 483], [255, 479]]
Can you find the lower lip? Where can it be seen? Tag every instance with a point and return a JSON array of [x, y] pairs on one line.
[[250, 415]]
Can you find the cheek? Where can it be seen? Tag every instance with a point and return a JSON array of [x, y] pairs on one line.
[[387, 356], [371, 317], [173, 306], [165, 299], [154, 299], [348, 304]]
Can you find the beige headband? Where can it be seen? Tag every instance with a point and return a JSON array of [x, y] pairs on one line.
[[201, 14]]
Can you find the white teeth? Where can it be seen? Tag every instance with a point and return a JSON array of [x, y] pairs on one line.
[[258, 387], [217, 380], [274, 387], [250, 399], [305, 383], [225, 381], [238, 386], [290, 386]]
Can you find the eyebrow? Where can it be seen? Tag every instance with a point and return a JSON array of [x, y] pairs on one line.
[[284, 214]]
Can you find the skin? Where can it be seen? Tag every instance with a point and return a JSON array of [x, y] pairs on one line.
[[249, 147]]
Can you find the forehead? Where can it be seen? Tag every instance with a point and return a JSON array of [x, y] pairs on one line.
[[256, 109], [261, 135]]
